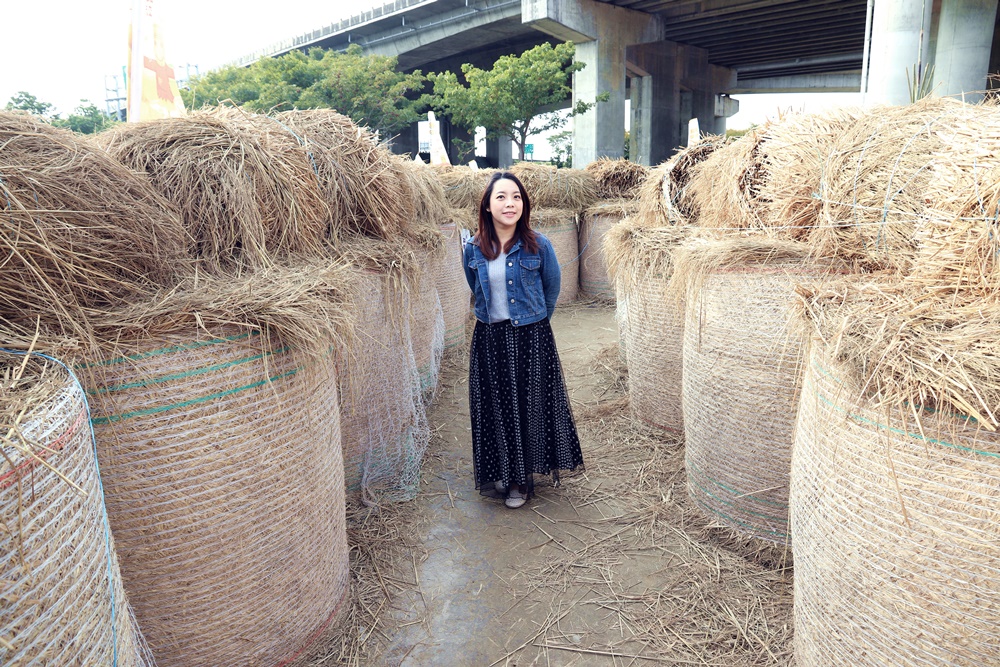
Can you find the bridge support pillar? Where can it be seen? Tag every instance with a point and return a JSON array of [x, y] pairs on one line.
[[964, 40], [900, 38], [499, 152]]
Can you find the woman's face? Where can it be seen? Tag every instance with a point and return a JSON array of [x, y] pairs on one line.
[[505, 205]]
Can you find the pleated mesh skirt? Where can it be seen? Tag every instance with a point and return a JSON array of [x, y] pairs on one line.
[[522, 424]]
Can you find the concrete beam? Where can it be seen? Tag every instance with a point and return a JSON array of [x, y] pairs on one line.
[[844, 82], [962, 52], [447, 26], [585, 20]]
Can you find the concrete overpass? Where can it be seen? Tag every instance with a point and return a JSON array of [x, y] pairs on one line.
[[682, 59]]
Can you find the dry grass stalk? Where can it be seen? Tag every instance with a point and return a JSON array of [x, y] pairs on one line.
[[725, 187], [82, 234], [363, 185], [634, 252], [464, 186], [617, 178], [424, 185], [550, 187], [797, 149], [907, 352], [240, 182], [669, 198], [876, 183]]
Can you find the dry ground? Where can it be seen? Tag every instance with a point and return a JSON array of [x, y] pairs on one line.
[[614, 567]]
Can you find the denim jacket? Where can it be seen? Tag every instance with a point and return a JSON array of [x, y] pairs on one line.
[[533, 281]]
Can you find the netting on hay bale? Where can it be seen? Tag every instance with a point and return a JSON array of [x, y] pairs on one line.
[[595, 223], [617, 178], [384, 420], [452, 287], [82, 233], [651, 324], [741, 371], [895, 529], [64, 602], [246, 187], [550, 187], [216, 415], [560, 227]]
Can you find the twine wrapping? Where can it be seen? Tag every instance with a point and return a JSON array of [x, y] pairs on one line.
[[452, 288], [63, 598], [427, 326], [741, 388], [595, 222], [559, 226], [224, 478], [896, 531]]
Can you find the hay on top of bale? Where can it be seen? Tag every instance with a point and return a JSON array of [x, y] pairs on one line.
[[664, 196], [797, 149], [617, 178], [425, 189], [725, 188], [82, 234], [635, 252], [238, 189], [463, 186], [550, 187], [362, 184]]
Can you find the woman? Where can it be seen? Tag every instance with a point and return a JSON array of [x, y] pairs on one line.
[[521, 419]]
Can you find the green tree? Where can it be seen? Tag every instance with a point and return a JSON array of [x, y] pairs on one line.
[[366, 88], [86, 119], [506, 99], [25, 101], [562, 148]]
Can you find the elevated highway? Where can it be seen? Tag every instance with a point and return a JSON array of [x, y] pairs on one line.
[[682, 59]]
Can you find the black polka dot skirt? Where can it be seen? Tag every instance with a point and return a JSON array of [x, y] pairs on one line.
[[522, 424]]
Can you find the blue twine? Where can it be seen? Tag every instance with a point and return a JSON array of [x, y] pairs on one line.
[[100, 487]]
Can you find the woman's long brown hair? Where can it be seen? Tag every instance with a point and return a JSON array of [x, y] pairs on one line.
[[489, 242]]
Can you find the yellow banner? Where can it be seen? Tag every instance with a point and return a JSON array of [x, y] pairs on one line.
[[154, 93]]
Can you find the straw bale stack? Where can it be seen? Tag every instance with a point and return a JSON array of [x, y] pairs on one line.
[[63, 599], [245, 187], [361, 182], [216, 414], [741, 371], [664, 197], [550, 187], [560, 227], [463, 186], [640, 261], [895, 528], [83, 234], [452, 288], [617, 178], [384, 425], [595, 223]]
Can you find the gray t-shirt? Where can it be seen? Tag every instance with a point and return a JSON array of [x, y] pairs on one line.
[[497, 269]]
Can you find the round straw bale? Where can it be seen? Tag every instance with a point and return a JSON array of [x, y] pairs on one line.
[[427, 325], [424, 186], [64, 602], [551, 187], [664, 196], [725, 187], [559, 226], [876, 183], [595, 223], [895, 529], [741, 371], [82, 233], [220, 454], [385, 431], [617, 178], [640, 261], [363, 185], [452, 288], [243, 184], [464, 186]]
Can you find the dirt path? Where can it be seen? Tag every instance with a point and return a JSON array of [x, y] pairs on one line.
[[611, 568]]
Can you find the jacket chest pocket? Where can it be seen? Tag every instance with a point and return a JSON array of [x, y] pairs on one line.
[[531, 270]]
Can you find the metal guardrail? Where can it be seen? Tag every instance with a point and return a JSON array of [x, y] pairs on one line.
[[344, 25]]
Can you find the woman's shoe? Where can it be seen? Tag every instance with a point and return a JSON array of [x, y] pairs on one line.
[[515, 499]]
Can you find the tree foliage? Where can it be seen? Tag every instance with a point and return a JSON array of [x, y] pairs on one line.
[[85, 119], [366, 88], [506, 99]]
